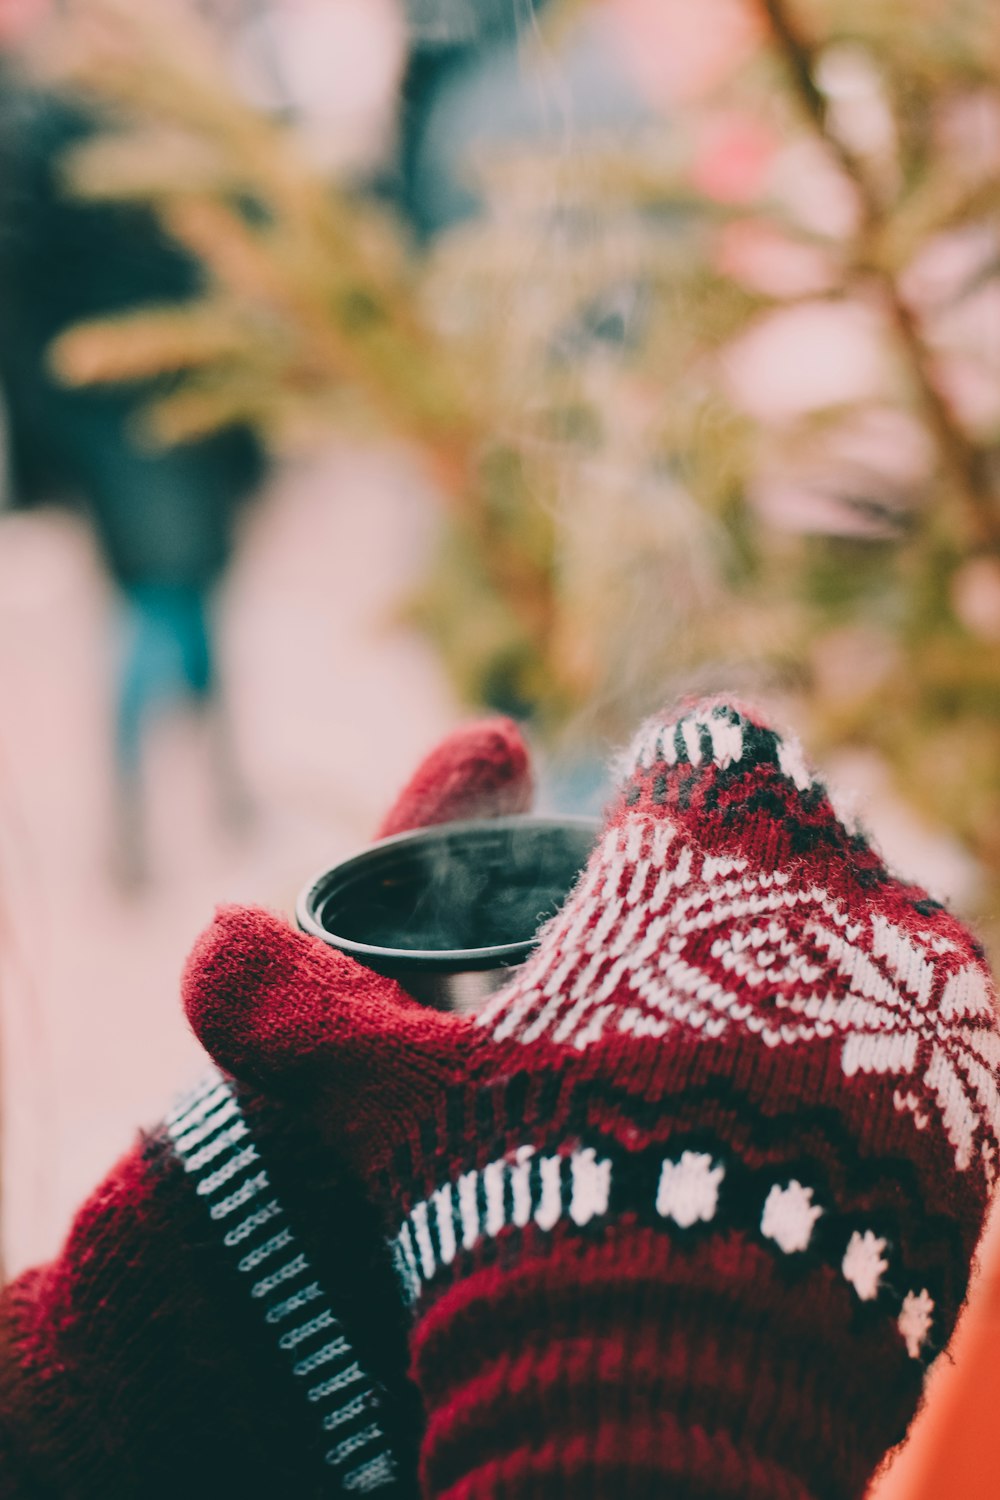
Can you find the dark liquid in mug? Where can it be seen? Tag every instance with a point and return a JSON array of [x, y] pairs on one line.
[[479, 889]]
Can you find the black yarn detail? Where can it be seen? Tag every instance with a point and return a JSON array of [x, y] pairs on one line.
[[575, 1116], [743, 1194], [484, 1113], [454, 1106], [403, 1167], [516, 1097], [338, 1262], [773, 801], [480, 1205], [428, 1137], [710, 795], [760, 748], [688, 785], [549, 1090]]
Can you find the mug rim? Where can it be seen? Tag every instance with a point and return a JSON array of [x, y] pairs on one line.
[[430, 960]]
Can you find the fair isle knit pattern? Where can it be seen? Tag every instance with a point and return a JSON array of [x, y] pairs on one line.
[[759, 1037], [664, 937], [682, 1193], [213, 1142], [690, 1206]]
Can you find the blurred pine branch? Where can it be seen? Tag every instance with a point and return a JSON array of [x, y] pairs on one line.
[[628, 508]]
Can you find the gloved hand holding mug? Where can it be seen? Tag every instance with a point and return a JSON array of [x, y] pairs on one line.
[[689, 1207], [163, 1351]]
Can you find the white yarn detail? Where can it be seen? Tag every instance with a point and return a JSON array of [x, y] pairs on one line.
[[496, 1197], [591, 1180], [339, 1382], [370, 1476], [656, 741], [296, 1336], [207, 1132], [252, 1223], [533, 1188], [353, 1444], [294, 1303], [727, 741], [243, 1194], [789, 1217], [230, 1169], [520, 1177], [908, 961], [550, 1205], [959, 1117], [863, 1265], [335, 1349], [197, 1102], [468, 1208], [790, 967], [347, 1412], [287, 1272], [691, 735], [915, 1320], [261, 1253], [793, 762], [210, 1121], [445, 1215], [967, 993], [688, 1190], [421, 1234], [228, 1137]]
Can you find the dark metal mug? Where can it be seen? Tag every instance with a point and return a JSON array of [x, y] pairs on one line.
[[449, 910]]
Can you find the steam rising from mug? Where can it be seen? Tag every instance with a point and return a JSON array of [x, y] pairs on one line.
[[449, 910]]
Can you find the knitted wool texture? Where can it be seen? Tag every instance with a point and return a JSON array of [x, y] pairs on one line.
[[689, 1208], [153, 1356]]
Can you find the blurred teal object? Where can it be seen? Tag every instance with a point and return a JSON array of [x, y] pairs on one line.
[[166, 650], [466, 89], [163, 518]]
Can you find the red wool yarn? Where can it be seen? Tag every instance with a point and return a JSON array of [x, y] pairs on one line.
[[689, 1208], [482, 770], [169, 1348]]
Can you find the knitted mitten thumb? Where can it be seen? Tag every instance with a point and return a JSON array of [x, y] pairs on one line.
[[689, 1208]]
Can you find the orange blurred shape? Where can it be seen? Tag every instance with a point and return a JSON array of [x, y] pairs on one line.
[[954, 1449]]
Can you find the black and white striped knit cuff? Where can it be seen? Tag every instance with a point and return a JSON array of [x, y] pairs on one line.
[[212, 1139]]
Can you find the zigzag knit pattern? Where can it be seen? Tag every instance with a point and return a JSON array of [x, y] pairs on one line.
[[690, 1206]]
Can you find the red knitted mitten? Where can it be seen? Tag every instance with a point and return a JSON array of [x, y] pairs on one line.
[[222, 1319], [688, 1209]]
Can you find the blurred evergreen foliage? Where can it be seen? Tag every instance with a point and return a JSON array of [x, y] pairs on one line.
[[629, 507]]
